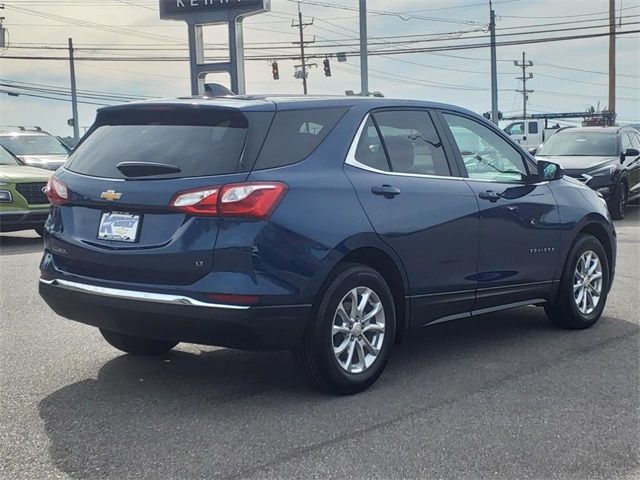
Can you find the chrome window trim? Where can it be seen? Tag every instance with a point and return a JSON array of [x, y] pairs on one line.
[[351, 160], [137, 295]]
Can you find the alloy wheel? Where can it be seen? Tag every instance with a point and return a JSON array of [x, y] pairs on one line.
[[358, 330], [587, 282]]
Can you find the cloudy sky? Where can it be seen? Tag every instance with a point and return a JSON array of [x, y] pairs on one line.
[[568, 75]]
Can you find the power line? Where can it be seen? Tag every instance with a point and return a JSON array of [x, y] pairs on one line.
[[379, 52], [403, 16], [14, 93]]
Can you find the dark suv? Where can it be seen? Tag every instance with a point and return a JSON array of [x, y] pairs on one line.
[[605, 158], [325, 226]]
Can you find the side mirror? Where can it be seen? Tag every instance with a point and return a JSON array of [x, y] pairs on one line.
[[532, 150], [549, 171], [630, 152]]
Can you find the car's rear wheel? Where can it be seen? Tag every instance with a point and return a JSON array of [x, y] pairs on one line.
[[618, 201], [137, 345], [583, 287], [349, 340]]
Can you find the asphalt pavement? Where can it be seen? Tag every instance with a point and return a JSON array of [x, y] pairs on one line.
[[502, 396]]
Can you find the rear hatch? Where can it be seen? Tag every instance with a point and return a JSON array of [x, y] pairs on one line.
[[117, 223]]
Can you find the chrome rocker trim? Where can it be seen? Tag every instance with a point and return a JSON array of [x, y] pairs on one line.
[[137, 295]]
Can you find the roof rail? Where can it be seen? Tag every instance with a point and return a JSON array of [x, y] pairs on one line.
[[21, 128]]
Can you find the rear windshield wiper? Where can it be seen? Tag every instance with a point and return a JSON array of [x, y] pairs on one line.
[[146, 169]]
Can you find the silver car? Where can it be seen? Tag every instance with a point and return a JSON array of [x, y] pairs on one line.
[[34, 147]]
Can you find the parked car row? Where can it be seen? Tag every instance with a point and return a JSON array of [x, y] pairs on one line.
[[606, 159]]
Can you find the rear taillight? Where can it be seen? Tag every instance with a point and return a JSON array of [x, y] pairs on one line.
[[197, 202], [254, 199], [56, 191]]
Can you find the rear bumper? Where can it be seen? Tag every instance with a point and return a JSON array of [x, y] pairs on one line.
[[175, 317], [11, 221]]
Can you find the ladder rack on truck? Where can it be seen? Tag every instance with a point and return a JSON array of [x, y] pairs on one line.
[[534, 130]]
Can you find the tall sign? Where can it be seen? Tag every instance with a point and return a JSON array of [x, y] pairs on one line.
[[198, 13]]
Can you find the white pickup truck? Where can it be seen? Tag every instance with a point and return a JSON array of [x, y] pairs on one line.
[[531, 133]]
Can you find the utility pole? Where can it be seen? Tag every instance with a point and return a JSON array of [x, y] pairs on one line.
[[525, 93], [364, 55], [303, 64], [74, 95], [612, 55], [494, 66]]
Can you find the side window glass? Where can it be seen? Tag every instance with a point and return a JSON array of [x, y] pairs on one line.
[[412, 142], [486, 155], [635, 141], [369, 151], [515, 129], [533, 127], [626, 141]]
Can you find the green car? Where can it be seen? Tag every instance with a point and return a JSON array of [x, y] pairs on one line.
[[23, 204]]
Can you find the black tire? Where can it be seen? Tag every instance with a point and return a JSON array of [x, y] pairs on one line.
[[137, 345], [317, 351], [564, 313], [618, 201], [40, 231]]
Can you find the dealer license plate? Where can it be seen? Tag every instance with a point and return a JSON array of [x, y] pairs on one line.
[[119, 227]]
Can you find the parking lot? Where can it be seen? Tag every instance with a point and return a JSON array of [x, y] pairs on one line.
[[505, 395]]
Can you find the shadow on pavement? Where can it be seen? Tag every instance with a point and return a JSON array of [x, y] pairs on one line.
[[225, 413], [14, 244]]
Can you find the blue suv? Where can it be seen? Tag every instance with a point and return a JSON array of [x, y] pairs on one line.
[[325, 226]]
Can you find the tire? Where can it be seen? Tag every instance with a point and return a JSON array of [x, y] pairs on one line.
[[137, 345], [618, 201], [40, 231], [333, 372], [566, 312]]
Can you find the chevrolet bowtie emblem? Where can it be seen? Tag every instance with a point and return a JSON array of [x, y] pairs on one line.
[[111, 195]]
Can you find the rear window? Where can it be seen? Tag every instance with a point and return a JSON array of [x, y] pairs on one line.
[[214, 148], [295, 134]]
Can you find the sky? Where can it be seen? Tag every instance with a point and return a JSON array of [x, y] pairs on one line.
[[567, 75]]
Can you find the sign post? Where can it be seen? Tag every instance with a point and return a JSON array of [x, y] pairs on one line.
[[197, 13]]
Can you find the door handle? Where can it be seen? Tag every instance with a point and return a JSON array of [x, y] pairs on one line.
[[489, 195], [387, 190]]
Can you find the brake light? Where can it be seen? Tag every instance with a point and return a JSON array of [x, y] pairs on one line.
[[253, 199], [197, 202], [56, 191]]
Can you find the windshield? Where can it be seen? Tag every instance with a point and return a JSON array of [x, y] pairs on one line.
[[580, 144], [6, 158], [33, 145]]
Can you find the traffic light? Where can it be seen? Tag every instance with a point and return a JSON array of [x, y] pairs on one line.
[[275, 71], [327, 67]]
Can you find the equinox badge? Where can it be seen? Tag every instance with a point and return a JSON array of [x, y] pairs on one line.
[[111, 195]]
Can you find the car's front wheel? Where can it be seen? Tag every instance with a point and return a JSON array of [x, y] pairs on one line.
[[137, 345], [349, 340], [584, 286]]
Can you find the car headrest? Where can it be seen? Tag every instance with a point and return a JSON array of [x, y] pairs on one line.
[[401, 152]]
